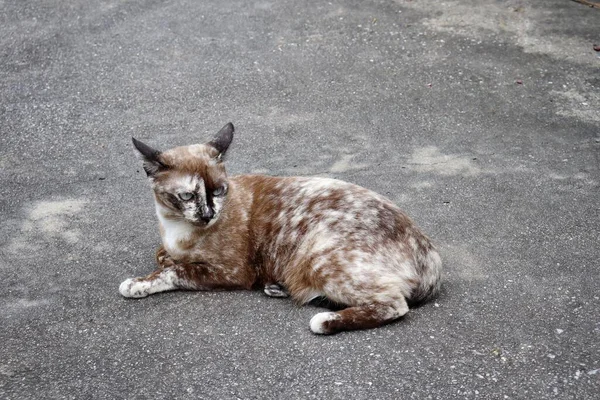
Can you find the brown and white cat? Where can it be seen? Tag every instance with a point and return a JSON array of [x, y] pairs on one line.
[[303, 237]]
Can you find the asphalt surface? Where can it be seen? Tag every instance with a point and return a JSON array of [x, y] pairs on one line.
[[479, 118]]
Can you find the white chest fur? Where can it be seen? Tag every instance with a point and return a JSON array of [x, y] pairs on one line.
[[173, 232]]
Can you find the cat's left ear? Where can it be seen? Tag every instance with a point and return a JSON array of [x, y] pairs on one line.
[[223, 139]]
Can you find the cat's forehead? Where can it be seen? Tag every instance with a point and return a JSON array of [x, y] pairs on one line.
[[197, 159], [186, 182], [178, 181], [194, 152], [189, 168]]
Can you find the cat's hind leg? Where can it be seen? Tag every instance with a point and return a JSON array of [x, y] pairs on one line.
[[275, 290], [358, 317]]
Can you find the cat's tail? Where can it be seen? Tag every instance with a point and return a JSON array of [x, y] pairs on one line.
[[429, 269]]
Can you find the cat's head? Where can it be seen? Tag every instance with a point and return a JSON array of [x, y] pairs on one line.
[[189, 182]]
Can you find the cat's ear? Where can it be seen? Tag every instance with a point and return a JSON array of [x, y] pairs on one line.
[[151, 157], [223, 139]]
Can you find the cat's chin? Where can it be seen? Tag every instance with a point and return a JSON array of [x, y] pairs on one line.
[[198, 224], [202, 224]]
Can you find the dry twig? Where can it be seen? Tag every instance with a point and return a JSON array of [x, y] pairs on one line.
[[588, 3]]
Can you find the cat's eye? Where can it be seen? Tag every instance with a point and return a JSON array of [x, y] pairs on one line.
[[185, 196], [220, 191]]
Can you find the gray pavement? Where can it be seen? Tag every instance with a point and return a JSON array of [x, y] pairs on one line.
[[479, 118]]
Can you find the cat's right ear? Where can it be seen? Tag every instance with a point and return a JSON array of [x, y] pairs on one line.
[[150, 156]]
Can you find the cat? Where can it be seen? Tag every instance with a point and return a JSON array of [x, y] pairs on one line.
[[307, 238]]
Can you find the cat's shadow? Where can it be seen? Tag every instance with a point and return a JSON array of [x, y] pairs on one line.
[[324, 302]]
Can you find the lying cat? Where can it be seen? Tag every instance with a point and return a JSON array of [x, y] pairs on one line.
[[302, 237]]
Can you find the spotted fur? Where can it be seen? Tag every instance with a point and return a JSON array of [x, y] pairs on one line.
[[306, 238]]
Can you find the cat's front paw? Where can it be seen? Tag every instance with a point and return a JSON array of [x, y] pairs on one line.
[[163, 259], [133, 288]]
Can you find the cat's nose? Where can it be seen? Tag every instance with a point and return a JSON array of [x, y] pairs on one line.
[[207, 215]]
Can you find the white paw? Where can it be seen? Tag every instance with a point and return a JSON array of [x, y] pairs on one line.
[[133, 288], [317, 323]]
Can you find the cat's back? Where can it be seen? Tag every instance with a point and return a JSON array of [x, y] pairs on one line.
[[307, 193], [297, 206], [269, 188]]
